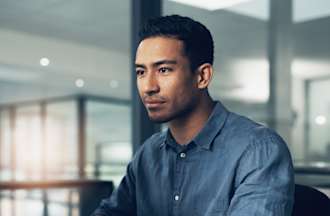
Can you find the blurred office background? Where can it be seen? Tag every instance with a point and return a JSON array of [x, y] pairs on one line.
[[67, 111]]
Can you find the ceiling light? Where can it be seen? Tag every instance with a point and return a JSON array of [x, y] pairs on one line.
[[80, 83], [320, 120], [44, 61], [114, 84], [211, 4]]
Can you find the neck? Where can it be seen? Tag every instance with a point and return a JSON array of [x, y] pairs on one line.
[[187, 127]]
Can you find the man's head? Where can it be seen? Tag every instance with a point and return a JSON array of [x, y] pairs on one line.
[[197, 39], [173, 66]]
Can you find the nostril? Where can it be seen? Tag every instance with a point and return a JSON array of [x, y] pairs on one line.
[[151, 93]]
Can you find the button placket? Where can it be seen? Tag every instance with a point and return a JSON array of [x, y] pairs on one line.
[[178, 180]]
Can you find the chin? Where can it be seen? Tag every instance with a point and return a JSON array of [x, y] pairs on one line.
[[159, 119]]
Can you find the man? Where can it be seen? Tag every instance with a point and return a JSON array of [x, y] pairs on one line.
[[210, 161]]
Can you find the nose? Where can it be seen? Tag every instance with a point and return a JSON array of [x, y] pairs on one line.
[[150, 84]]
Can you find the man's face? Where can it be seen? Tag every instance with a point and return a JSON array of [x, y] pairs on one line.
[[167, 86]]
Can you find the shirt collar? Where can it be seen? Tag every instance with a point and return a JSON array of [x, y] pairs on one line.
[[208, 133], [212, 127], [168, 139]]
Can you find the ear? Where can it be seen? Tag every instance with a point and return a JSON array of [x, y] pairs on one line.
[[204, 75]]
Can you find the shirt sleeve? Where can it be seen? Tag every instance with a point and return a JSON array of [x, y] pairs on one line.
[[122, 200], [265, 180]]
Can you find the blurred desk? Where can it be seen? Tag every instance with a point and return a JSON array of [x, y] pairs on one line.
[[27, 185], [316, 175], [312, 170], [91, 192]]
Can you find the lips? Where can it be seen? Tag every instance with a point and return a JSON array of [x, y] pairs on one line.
[[153, 104]]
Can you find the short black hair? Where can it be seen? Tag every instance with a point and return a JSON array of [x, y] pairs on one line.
[[197, 39]]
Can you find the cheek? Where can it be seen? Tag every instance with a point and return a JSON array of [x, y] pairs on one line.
[[138, 86], [178, 88], [179, 92], [173, 90]]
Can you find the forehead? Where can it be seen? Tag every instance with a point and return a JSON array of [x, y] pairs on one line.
[[155, 48]]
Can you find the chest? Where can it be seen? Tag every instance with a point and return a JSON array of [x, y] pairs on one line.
[[186, 183]]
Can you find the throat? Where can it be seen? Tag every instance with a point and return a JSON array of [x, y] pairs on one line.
[[183, 135], [186, 129]]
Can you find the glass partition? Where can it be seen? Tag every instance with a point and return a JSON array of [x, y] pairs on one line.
[[5, 146], [52, 54], [43, 141], [109, 146], [27, 143], [60, 156], [310, 83], [318, 148]]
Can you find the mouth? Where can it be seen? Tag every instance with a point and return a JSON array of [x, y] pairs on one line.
[[153, 104]]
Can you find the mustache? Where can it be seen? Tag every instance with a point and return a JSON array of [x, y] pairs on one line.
[[153, 98]]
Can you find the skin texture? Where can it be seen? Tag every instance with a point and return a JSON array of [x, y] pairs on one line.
[[170, 91]]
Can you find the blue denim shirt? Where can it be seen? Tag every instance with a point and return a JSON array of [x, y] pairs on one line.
[[234, 167]]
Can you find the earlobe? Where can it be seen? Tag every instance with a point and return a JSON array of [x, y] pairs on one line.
[[205, 73]]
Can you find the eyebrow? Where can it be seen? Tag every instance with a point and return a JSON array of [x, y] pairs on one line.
[[157, 63]]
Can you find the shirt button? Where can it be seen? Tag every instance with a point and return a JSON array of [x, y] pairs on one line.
[[176, 197], [182, 155]]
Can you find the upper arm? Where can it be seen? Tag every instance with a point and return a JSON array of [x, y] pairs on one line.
[[265, 182]]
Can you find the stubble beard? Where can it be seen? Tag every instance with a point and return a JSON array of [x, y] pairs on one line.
[[175, 115]]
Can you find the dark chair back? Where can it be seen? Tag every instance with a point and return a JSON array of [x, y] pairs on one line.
[[310, 202]]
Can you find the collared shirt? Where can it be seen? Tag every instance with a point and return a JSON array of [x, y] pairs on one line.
[[233, 167]]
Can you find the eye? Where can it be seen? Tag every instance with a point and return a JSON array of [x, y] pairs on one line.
[[164, 70], [139, 72]]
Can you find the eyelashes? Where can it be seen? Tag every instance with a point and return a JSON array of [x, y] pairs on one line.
[[161, 70]]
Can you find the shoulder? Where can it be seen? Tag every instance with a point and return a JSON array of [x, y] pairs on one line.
[[249, 135], [260, 151], [263, 146]]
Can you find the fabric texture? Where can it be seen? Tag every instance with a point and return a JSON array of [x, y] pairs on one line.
[[233, 167]]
